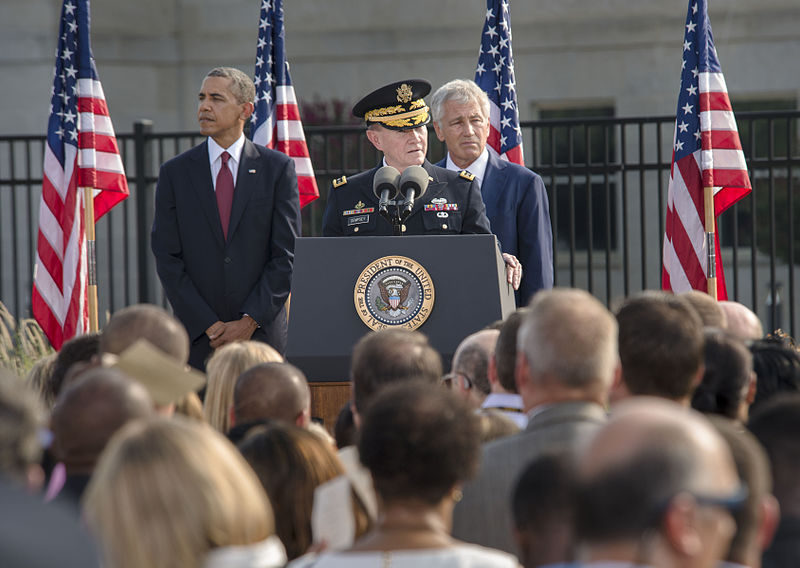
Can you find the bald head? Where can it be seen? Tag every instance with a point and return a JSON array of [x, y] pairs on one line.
[[639, 428], [650, 452], [707, 308], [472, 358], [145, 321], [90, 410], [272, 391], [742, 322]]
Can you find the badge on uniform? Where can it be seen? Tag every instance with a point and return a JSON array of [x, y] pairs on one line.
[[358, 210], [440, 204], [358, 220]]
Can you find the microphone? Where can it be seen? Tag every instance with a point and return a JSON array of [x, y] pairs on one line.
[[384, 186], [413, 184]]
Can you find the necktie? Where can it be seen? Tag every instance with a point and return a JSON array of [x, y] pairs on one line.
[[224, 193]]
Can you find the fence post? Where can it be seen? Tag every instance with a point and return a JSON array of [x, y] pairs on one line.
[[143, 153]]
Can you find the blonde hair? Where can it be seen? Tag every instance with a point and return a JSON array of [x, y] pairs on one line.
[[167, 491], [224, 367]]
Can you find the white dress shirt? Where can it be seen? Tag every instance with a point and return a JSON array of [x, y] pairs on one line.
[[476, 168], [215, 158]]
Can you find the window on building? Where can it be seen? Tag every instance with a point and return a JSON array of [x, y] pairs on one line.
[[771, 143]]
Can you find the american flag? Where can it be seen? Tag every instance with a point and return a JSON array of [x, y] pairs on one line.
[[706, 153], [81, 152], [276, 120], [495, 75]]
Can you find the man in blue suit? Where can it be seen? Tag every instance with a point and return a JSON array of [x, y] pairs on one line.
[[226, 217], [515, 197]]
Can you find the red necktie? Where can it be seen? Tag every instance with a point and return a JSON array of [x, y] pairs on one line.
[[224, 193]]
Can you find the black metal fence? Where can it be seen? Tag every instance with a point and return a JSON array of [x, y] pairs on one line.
[[607, 182]]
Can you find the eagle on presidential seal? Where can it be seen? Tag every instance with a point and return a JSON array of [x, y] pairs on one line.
[[394, 293]]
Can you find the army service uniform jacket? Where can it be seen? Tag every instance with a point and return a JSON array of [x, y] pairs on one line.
[[451, 205]]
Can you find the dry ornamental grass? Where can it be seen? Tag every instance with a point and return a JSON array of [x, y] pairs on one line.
[[22, 342]]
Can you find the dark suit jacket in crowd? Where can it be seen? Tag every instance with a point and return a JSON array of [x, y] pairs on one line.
[[451, 205], [519, 212], [784, 552], [208, 278], [484, 514]]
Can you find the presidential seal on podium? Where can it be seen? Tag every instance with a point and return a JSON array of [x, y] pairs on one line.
[[394, 291]]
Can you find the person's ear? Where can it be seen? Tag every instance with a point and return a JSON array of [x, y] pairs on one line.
[[751, 388], [521, 371], [492, 371], [375, 138], [678, 526], [303, 419], [770, 513], [439, 132], [247, 111]]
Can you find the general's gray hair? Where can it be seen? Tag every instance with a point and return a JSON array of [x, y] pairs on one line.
[[242, 85], [461, 91]]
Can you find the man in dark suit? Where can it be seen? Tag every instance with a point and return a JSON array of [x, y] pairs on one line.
[[226, 218], [396, 115], [566, 361], [515, 197]]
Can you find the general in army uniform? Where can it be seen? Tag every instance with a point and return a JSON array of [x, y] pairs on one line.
[[396, 116]]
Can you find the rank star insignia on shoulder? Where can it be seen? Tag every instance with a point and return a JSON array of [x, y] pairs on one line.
[[339, 181], [466, 175]]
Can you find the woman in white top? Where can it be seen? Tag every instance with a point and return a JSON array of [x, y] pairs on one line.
[[420, 442]]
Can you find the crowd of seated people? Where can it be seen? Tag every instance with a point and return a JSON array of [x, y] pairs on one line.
[[664, 432]]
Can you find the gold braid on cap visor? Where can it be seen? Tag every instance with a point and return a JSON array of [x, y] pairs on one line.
[[394, 115]]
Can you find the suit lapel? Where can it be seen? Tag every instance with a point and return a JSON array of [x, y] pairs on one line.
[[246, 181], [494, 180], [203, 186]]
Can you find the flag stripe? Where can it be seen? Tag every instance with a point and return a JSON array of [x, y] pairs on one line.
[[81, 151], [718, 120], [276, 119], [707, 153], [721, 139]]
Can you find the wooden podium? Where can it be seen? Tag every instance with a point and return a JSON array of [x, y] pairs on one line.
[[460, 280]]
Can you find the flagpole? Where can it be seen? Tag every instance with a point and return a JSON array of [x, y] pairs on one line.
[[91, 257], [711, 269]]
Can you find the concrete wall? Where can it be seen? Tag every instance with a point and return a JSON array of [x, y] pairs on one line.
[[152, 55]]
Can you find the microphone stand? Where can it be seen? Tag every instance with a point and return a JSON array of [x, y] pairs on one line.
[[394, 219]]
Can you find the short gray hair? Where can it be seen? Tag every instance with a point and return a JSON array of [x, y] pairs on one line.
[[461, 91], [570, 336], [241, 86]]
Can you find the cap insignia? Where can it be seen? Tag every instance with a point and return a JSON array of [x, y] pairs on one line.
[[404, 93]]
